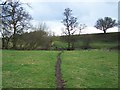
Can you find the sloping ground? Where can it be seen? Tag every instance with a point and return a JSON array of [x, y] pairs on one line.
[[90, 41]]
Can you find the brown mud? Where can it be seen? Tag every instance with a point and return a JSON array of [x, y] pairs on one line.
[[59, 81]]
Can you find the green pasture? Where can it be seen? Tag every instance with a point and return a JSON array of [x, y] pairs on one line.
[[80, 69], [90, 69], [29, 69]]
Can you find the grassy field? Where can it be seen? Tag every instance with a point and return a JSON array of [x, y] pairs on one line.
[[80, 69], [90, 69], [29, 69], [96, 41]]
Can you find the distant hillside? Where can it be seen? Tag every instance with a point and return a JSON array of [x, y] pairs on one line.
[[95, 41], [102, 37]]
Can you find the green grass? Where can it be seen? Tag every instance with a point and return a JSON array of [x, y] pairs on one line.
[[90, 69], [103, 45], [59, 44], [93, 44], [96, 41], [80, 69], [29, 69], [0, 69]]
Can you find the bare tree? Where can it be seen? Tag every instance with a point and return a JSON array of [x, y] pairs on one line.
[[70, 23], [106, 23], [81, 27], [4, 3], [17, 21], [118, 24]]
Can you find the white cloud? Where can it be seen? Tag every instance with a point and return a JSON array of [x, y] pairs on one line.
[[56, 27], [87, 12], [90, 30], [114, 29], [53, 26]]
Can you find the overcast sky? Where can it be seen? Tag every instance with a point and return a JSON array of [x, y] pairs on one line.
[[86, 11]]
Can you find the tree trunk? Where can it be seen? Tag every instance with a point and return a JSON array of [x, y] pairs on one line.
[[104, 31], [7, 43], [73, 46], [69, 46], [3, 43], [14, 42], [14, 38]]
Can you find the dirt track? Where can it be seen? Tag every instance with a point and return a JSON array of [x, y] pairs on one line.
[[58, 74]]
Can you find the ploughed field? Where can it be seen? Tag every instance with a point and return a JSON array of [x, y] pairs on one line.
[[80, 69]]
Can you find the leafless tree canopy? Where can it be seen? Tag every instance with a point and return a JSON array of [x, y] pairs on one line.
[[70, 22], [14, 20], [106, 23]]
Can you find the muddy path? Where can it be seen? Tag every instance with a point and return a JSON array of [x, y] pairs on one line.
[[58, 74]]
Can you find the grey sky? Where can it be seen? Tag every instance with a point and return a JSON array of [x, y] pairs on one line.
[[86, 11]]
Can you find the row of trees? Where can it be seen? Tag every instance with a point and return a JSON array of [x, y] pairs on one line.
[[39, 38], [16, 21], [71, 24]]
